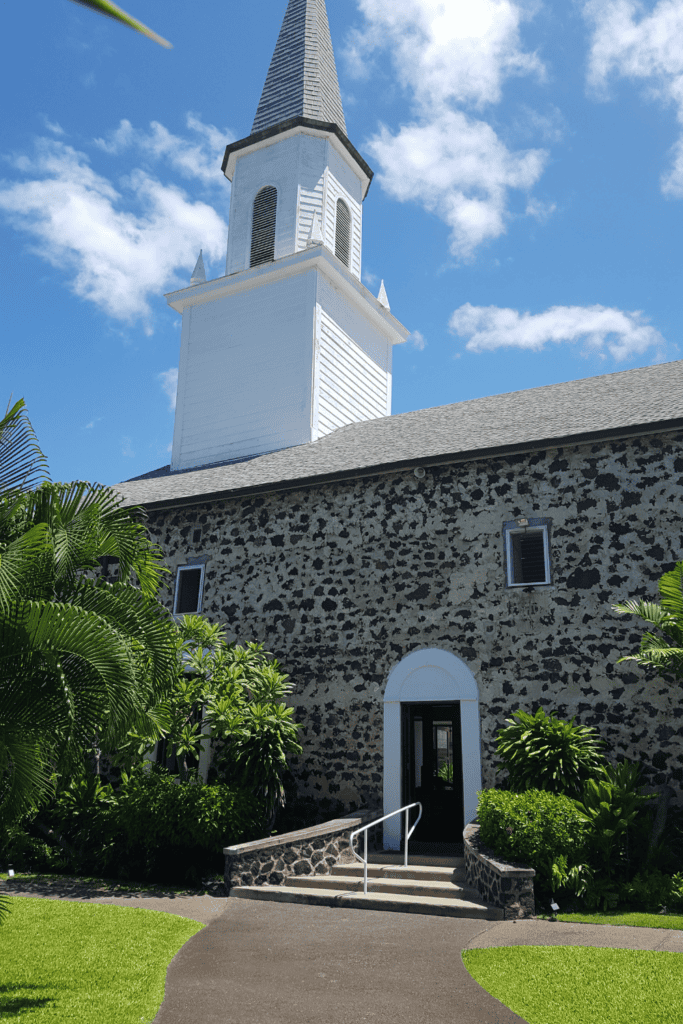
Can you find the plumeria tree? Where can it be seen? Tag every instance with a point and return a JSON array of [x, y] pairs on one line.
[[233, 695]]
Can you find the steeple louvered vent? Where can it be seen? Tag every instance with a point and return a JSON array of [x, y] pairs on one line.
[[263, 226], [342, 234]]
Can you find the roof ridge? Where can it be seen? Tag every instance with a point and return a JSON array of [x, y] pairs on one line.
[[527, 391]]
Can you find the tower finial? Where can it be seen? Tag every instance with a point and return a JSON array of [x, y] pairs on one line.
[[382, 296], [198, 274], [302, 77], [315, 236]]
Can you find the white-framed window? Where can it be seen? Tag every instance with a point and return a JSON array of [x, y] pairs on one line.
[[527, 552], [189, 586], [263, 226], [342, 233]]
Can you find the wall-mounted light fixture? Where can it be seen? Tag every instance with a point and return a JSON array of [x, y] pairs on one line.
[[522, 522], [419, 472]]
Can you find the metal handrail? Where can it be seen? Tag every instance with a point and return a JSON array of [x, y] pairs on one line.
[[364, 828]]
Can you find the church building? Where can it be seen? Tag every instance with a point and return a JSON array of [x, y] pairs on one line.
[[419, 576]]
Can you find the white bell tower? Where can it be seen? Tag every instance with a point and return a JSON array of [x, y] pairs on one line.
[[289, 345]]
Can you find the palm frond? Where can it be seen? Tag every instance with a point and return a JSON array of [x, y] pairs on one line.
[[24, 774], [22, 569], [5, 906], [22, 463], [111, 10], [671, 589], [87, 522], [650, 611]]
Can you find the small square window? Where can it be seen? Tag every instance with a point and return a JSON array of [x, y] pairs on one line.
[[188, 590], [527, 553]]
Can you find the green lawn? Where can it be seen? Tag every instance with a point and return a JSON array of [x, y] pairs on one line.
[[91, 963], [582, 984], [633, 918], [112, 968]]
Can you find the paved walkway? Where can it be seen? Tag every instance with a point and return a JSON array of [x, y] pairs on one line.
[[273, 963]]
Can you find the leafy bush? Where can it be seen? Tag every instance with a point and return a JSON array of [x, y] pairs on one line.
[[238, 692], [654, 890], [154, 828], [543, 752], [610, 804], [543, 830]]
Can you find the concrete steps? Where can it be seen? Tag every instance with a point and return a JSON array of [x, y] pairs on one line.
[[425, 888]]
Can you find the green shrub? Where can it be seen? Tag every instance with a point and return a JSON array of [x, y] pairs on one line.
[[610, 804], [543, 752], [153, 828], [654, 890], [27, 852], [538, 828]]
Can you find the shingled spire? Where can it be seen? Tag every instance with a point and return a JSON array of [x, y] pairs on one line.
[[302, 77]]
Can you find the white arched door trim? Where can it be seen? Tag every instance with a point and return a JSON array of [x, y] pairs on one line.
[[429, 675]]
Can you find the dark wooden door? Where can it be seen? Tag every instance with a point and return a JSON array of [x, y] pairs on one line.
[[432, 759]]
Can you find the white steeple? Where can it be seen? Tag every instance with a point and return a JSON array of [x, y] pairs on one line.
[[289, 345]]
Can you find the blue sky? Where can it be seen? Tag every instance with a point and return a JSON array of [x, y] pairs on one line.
[[526, 213]]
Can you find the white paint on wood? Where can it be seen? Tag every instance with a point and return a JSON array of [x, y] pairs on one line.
[[309, 176], [246, 364], [278, 355], [343, 189], [352, 385]]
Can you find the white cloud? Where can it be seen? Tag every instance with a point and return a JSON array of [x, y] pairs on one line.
[[449, 56], [456, 167], [53, 126], [629, 41], [541, 211], [126, 448], [199, 158], [169, 384], [120, 246], [445, 51], [622, 334], [418, 339]]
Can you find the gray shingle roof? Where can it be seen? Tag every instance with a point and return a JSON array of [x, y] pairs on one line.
[[630, 402], [302, 77]]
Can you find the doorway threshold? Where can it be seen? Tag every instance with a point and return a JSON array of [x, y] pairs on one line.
[[436, 849]]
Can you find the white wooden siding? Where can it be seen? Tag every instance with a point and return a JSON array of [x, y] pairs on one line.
[[309, 175], [246, 374], [351, 386], [310, 203], [333, 192]]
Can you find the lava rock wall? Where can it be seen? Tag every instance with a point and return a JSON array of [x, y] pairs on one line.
[[341, 580]]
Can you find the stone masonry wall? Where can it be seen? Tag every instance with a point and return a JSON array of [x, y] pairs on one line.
[[311, 851], [501, 883], [341, 580]]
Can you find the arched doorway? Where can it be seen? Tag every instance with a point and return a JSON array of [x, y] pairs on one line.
[[430, 687]]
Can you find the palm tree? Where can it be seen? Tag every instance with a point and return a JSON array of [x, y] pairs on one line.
[[79, 655], [111, 10], [664, 652]]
